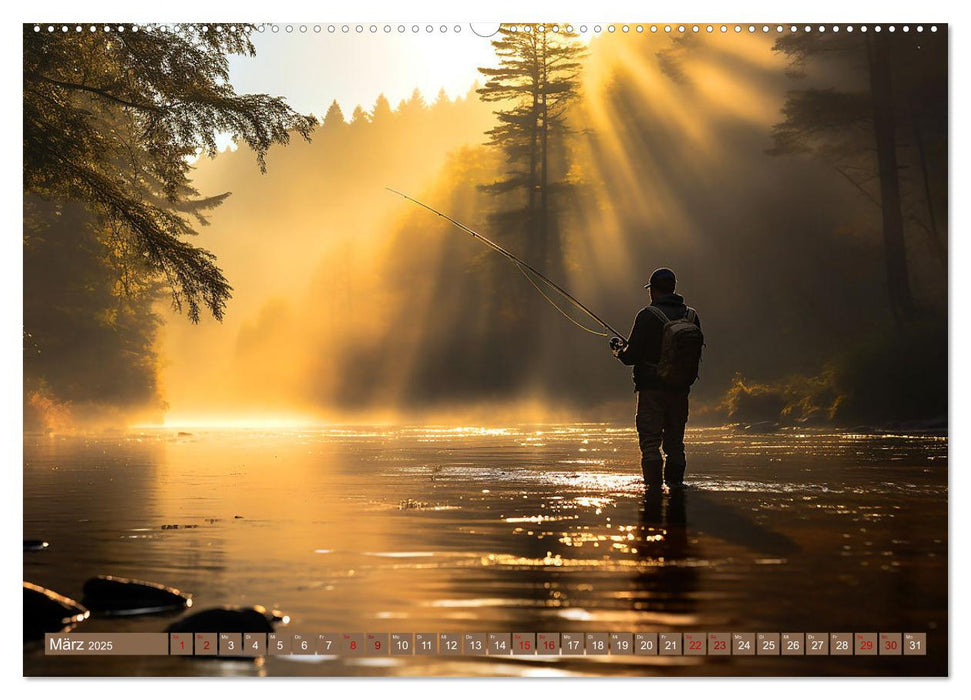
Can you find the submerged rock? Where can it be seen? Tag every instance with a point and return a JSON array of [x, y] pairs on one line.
[[47, 611], [110, 595], [35, 545], [230, 619]]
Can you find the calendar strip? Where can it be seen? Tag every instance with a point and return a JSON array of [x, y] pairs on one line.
[[351, 644]]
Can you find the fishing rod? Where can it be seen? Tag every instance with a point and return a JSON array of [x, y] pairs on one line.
[[523, 266]]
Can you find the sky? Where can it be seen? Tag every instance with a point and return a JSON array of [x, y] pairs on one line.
[[311, 69]]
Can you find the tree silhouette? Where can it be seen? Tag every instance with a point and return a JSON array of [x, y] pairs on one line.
[[112, 121], [359, 116], [413, 106], [890, 128], [381, 110], [89, 324], [334, 116], [537, 78]]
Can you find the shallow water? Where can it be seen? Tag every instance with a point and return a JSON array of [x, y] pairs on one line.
[[527, 528]]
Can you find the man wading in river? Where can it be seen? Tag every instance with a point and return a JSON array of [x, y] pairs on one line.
[[665, 349]]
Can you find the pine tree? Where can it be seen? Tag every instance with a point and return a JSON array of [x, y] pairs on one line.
[[381, 110], [413, 105], [537, 78], [334, 116], [359, 116]]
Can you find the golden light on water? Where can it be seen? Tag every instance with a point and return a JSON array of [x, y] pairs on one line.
[[245, 422]]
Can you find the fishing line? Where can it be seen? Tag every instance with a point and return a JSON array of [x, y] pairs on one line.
[[526, 268], [556, 306]]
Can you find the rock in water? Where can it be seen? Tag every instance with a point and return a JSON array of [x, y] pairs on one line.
[[110, 595], [229, 619], [35, 545], [46, 611]]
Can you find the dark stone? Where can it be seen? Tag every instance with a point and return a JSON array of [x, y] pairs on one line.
[[46, 611], [110, 595], [228, 619]]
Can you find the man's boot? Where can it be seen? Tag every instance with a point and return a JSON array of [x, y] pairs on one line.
[[653, 473], [674, 474]]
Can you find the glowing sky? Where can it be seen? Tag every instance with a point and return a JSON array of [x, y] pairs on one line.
[[312, 69]]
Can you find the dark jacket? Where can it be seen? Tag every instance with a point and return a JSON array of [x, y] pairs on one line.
[[644, 345]]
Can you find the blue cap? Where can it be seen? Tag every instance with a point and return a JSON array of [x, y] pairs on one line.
[[662, 274]]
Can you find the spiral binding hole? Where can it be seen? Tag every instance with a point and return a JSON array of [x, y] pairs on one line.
[[457, 29]]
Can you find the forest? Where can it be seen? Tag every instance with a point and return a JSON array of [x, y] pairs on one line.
[[797, 184]]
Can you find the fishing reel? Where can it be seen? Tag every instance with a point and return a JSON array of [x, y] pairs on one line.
[[617, 345]]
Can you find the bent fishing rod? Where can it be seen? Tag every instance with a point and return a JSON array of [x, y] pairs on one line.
[[523, 267]]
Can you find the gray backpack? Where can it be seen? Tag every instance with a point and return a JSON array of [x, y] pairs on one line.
[[681, 344]]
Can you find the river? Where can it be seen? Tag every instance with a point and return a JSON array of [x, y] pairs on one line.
[[524, 528]]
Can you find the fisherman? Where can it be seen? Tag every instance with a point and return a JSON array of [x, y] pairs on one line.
[[664, 348]]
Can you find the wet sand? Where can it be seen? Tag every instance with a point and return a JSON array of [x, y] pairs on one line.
[[527, 528]]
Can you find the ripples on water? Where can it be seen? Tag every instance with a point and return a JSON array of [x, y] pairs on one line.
[[539, 528]]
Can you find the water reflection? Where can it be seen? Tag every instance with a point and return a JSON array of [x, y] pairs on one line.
[[732, 525], [665, 584], [519, 528]]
